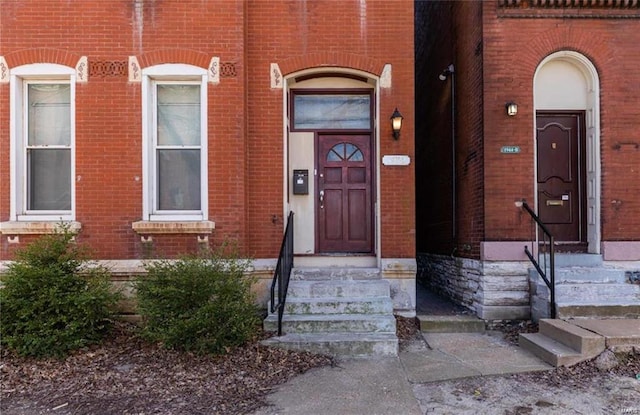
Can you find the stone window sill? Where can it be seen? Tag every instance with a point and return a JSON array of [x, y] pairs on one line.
[[35, 227], [151, 227]]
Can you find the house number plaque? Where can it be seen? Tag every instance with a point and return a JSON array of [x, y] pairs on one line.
[[510, 149], [396, 160]]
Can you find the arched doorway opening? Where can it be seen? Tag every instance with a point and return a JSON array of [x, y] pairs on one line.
[[567, 144], [330, 138]]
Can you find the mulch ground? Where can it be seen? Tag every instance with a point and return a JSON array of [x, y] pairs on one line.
[[125, 375]]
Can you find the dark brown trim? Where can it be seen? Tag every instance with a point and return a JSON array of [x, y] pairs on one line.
[[330, 75], [582, 160], [330, 91]]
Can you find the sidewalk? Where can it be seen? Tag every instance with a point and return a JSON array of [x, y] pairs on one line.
[[386, 386]]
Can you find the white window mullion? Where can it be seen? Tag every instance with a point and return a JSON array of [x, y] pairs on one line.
[[204, 174], [173, 143], [51, 87]]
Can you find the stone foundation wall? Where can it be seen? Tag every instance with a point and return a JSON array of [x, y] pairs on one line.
[[494, 290]]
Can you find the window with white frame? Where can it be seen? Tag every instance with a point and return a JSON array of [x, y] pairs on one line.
[[175, 143], [42, 143]]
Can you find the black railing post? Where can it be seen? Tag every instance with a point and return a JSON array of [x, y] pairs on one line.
[[283, 272], [552, 276], [549, 280]]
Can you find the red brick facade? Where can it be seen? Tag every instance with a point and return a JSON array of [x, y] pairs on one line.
[[244, 117], [496, 47]]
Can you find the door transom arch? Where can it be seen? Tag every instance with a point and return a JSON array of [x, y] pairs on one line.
[[567, 93], [349, 98]]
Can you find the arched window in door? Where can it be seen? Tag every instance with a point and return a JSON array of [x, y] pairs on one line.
[[345, 152]]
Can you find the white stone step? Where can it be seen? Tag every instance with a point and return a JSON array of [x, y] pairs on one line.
[[335, 273], [576, 260], [339, 305], [589, 274], [340, 344], [338, 289], [603, 309], [597, 292], [333, 323]]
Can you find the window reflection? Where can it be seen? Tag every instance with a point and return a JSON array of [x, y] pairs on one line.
[[332, 111], [345, 151]]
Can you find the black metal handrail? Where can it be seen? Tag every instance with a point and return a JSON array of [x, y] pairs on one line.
[[283, 272], [547, 241]]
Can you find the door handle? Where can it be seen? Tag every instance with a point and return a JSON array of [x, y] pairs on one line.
[[321, 199]]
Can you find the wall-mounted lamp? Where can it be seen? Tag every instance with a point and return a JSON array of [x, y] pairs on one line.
[[512, 108], [446, 72], [396, 123]]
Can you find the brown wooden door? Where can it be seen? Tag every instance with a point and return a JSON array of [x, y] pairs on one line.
[[344, 194], [560, 165]]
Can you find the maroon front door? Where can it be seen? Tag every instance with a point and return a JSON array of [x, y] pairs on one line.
[[561, 178], [344, 193]]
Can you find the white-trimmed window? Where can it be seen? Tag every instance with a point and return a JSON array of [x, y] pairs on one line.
[[175, 143], [42, 125]]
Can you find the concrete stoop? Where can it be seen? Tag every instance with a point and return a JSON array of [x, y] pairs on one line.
[[562, 344], [451, 324], [337, 311], [585, 288]]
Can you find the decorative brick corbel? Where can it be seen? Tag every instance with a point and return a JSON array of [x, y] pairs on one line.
[[135, 73], [385, 76], [214, 70], [82, 70], [4, 70], [276, 76]]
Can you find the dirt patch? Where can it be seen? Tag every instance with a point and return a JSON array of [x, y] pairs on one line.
[[608, 384]]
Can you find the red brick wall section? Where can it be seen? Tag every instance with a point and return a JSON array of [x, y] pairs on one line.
[[245, 115], [513, 48], [108, 116], [434, 52], [469, 126], [301, 35]]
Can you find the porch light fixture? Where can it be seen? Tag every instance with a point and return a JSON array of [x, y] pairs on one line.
[[396, 123], [512, 108], [446, 72]]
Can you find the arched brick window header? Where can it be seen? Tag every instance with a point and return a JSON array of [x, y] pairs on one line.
[[41, 55], [336, 59]]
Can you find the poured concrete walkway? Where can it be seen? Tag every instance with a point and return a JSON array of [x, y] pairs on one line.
[[388, 385]]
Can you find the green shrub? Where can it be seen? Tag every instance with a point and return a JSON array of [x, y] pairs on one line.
[[200, 303], [53, 299]]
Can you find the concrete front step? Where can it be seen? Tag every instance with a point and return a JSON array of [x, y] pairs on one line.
[[593, 291], [451, 324], [609, 309], [589, 299], [341, 305], [585, 342], [576, 260], [344, 311], [335, 273], [338, 289], [333, 323], [562, 344], [340, 344], [589, 274], [549, 350]]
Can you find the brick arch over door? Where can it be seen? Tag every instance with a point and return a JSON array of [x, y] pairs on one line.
[[331, 59], [567, 84]]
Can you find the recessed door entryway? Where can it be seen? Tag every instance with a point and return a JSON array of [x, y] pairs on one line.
[[344, 195], [560, 144]]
